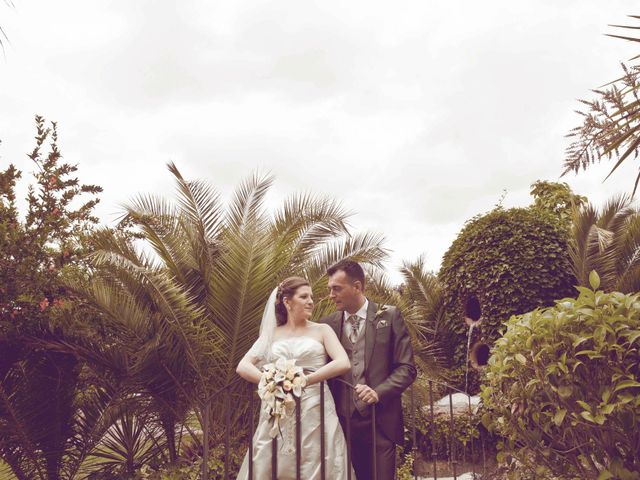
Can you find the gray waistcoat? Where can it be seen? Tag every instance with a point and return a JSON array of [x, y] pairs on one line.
[[356, 375]]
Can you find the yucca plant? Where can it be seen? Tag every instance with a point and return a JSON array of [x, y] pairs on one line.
[[186, 303], [607, 241]]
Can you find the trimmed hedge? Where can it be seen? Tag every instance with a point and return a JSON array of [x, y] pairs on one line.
[[512, 261]]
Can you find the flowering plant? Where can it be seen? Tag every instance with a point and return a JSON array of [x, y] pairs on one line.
[[280, 383]]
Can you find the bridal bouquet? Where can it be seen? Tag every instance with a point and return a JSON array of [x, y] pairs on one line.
[[280, 382]]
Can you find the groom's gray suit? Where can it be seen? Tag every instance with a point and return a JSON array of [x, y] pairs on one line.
[[389, 369]]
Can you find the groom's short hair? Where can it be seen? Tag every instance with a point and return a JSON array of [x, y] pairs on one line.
[[352, 269]]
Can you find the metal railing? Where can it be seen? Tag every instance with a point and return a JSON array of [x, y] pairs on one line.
[[452, 457]]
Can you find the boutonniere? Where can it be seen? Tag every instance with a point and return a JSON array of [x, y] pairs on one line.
[[381, 323], [380, 311]]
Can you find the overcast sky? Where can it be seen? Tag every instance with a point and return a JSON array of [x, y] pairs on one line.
[[417, 115]]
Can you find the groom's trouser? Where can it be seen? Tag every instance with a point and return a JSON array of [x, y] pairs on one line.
[[361, 449]]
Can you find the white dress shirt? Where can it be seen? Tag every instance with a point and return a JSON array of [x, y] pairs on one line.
[[362, 313]]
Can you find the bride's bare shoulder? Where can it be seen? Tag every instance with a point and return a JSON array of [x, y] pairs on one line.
[[320, 330]]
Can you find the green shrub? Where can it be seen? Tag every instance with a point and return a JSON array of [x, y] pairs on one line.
[[563, 384], [511, 261], [438, 435], [191, 470], [435, 437], [404, 470]]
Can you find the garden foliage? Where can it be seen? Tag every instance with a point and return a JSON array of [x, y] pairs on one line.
[[607, 240], [42, 433], [113, 354], [563, 384], [512, 261]]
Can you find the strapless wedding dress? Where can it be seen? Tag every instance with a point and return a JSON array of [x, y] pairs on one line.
[[310, 354]]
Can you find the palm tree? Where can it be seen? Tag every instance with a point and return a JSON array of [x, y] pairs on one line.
[[425, 301], [45, 395], [611, 123], [187, 305], [419, 298], [607, 241]]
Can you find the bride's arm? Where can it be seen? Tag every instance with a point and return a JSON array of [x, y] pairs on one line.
[[248, 370], [339, 363]]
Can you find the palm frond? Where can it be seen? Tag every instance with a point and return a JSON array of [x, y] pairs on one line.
[[608, 242], [6, 472], [200, 203], [611, 125], [581, 247], [37, 407], [246, 208], [158, 221], [126, 446], [17, 447], [364, 247], [303, 224], [244, 279]]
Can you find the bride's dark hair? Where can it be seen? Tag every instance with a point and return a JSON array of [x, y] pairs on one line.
[[287, 289]]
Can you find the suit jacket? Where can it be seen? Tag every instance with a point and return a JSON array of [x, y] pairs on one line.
[[389, 367]]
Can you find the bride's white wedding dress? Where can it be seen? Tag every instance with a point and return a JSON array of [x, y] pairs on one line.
[[310, 354]]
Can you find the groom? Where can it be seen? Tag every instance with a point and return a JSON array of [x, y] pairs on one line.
[[382, 367]]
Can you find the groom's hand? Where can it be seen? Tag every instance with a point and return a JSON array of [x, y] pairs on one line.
[[366, 393]]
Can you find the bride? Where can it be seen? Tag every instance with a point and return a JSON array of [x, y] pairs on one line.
[[286, 332]]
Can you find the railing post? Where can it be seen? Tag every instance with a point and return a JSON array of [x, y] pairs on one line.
[[374, 466], [251, 432], [227, 440], [274, 459], [484, 459], [434, 453], [322, 450], [414, 448], [453, 446], [347, 399], [205, 440], [298, 439], [473, 462]]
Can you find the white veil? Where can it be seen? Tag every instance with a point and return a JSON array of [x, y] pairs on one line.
[[261, 349]]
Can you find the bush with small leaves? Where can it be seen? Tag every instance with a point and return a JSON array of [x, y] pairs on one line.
[[563, 387], [509, 262]]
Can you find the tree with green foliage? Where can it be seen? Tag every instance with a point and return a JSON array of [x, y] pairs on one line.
[[41, 432], [562, 388], [557, 198]]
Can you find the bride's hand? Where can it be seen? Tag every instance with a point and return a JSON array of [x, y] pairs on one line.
[[309, 378]]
